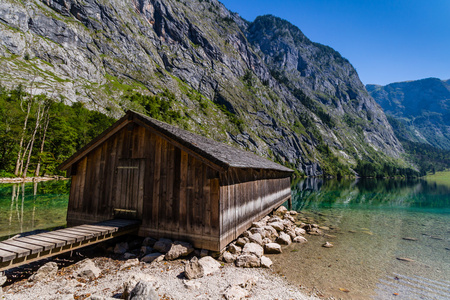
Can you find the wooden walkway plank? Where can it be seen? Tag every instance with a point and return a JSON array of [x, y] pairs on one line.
[[33, 248], [84, 232], [55, 242], [45, 245], [99, 228], [6, 255], [18, 250], [70, 237], [58, 240]]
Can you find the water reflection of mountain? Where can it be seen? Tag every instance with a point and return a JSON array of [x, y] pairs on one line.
[[370, 193]]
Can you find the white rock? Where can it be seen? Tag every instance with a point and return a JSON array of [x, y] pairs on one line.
[[153, 257], [131, 281], [179, 249], [248, 261], [191, 284], [130, 263], [253, 248], [277, 225], [209, 264], [258, 224], [234, 249], [163, 245], [259, 230], [274, 219], [48, 270], [256, 238], [284, 239], [228, 257], [272, 248], [235, 292], [327, 245], [271, 232], [266, 262], [266, 241], [290, 231], [281, 210], [193, 269], [293, 212], [264, 220], [242, 241], [87, 269], [143, 291], [288, 217], [300, 239], [300, 231], [2, 278]]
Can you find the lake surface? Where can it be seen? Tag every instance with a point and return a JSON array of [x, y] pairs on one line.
[[30, 206], [369, 221]]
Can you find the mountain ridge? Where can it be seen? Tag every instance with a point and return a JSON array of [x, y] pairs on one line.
[[302, 104]]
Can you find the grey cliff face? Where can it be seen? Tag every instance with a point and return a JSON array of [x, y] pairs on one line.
[[98, 51], [422, 106]]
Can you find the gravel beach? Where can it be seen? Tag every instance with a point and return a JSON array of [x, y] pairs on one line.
[[166, 277]]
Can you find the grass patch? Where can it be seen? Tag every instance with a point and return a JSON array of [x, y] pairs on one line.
[[439, 177]]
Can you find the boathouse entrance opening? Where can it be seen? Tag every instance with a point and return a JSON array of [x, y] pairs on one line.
[[129, 189]]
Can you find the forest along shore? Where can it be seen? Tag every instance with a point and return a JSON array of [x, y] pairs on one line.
[[31, 179]]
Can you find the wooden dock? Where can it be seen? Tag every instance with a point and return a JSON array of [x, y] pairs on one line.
[[24, 250]]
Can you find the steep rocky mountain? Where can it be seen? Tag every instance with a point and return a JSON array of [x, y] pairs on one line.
[[421, 109], [262, 86]]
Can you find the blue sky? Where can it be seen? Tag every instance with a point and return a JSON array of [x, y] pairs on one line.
[[385, 40]]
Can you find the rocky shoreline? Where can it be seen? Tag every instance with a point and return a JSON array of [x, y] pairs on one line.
[[165, 269]]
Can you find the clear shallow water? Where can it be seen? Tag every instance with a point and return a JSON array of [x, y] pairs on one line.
[[30, 206], [368, 221]]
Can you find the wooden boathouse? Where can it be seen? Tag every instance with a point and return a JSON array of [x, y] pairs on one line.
[[178, 184]]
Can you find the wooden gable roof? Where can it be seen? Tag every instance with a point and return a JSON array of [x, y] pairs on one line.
[[218, 155]]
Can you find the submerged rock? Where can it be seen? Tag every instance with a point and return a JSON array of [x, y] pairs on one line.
[[328, 245]]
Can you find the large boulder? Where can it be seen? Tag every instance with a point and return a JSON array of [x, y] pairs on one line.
[[272, 248], [193, 270], [242, 241], [179, 249], [143, 291], [228, 257], [234, 249], [266, 262], [87, 269], [209, 264], [256, 238], [163, 245], [248, 261], [253, 248], [284, 239], [271, 232], [279, 226], [48, 270], [300, 231]]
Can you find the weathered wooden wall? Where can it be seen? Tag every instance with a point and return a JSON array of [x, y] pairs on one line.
[[173, 193], [248, 195]]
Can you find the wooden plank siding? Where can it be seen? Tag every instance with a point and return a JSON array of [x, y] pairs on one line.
[[172, 192], [247, 196]]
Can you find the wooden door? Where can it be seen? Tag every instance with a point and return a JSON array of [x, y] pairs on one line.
[[129, 188]]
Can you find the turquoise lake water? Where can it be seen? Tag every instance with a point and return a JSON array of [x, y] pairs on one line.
[[30, 206], [372, 224], [368, 221]]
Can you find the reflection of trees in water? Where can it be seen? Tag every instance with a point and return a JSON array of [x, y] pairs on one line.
[[315, 193], [18, 191]]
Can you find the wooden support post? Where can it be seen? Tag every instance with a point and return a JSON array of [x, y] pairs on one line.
[[290, 203]]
